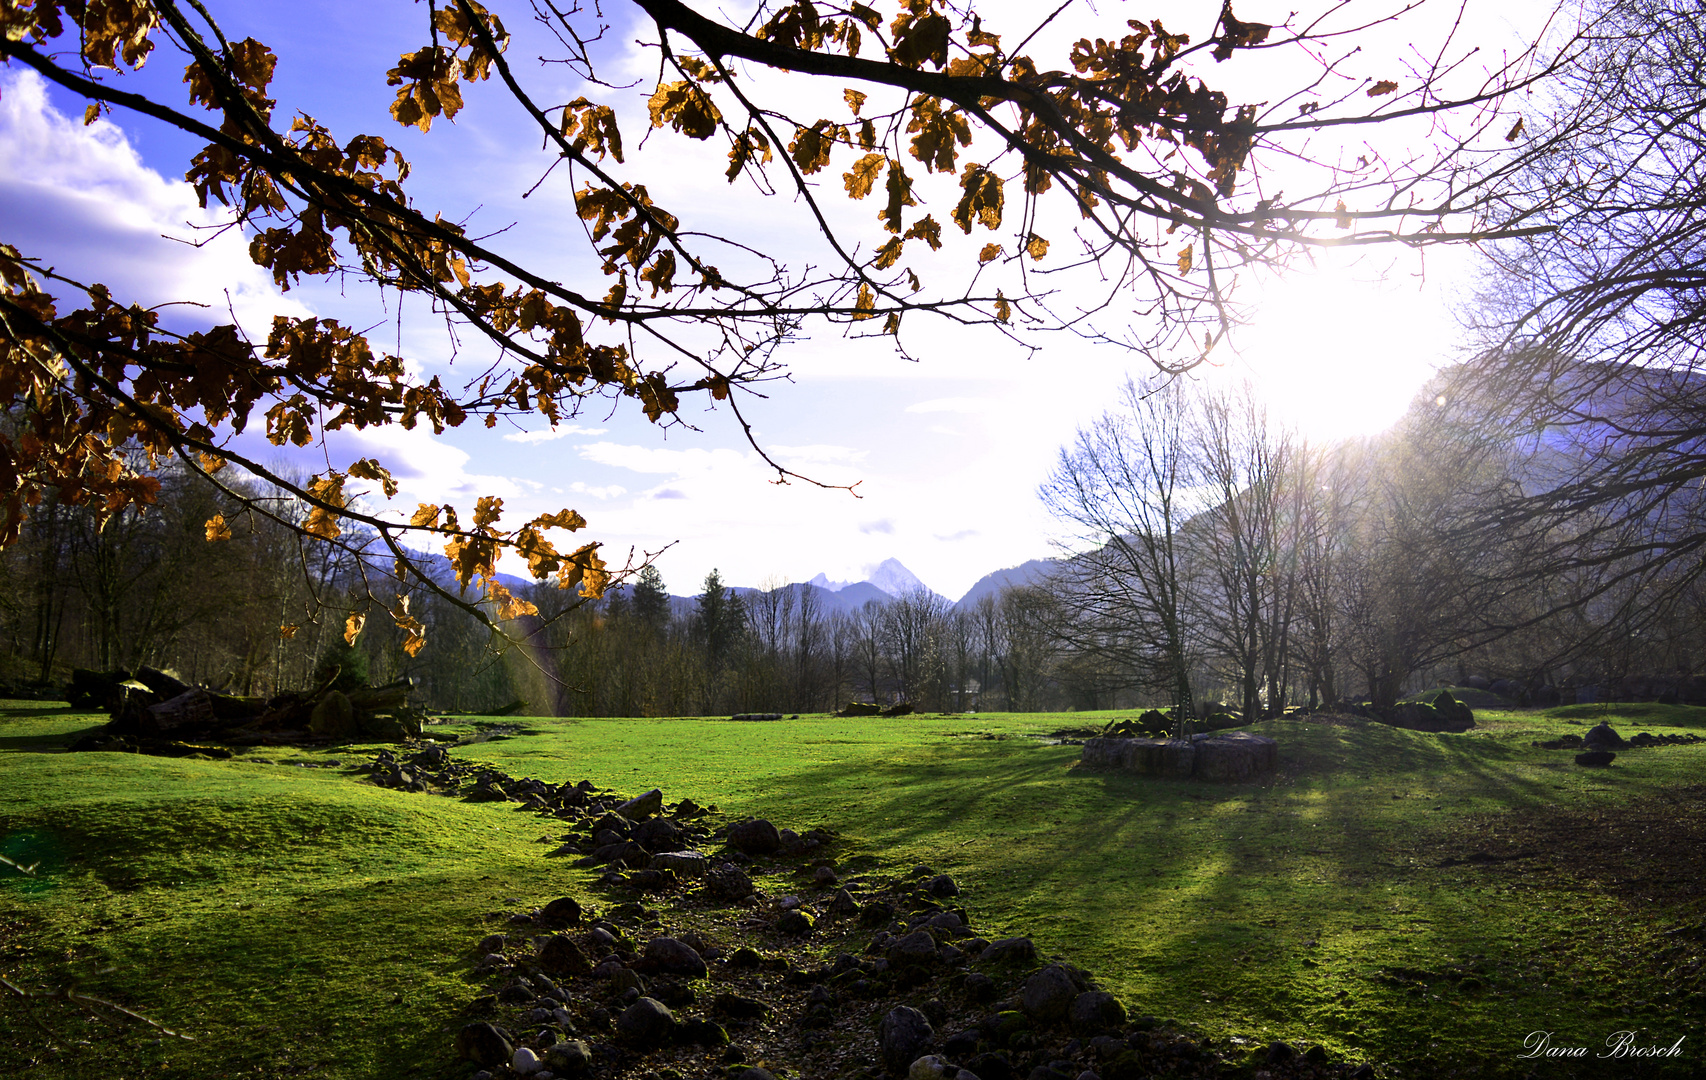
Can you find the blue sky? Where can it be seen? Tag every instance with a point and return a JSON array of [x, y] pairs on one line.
[[947, 451]]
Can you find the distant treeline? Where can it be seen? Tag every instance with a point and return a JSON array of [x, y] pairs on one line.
[[1219, 562]]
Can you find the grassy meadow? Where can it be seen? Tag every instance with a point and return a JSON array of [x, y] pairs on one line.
[[1422, 901]]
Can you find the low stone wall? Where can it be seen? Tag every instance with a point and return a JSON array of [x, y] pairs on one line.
[[1229, 755]]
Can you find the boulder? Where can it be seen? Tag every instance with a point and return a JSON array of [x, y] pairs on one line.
[[642, 806], [484, 1044], [1106, 753], [1048, 995], [560, 954], [754, 836], [728, 882], [687, 863], [675, 957], [564, 910], [917, 949], [1094, 1012], [905, 1036], [646, 1023], [1596, 758], [1010, 950], [1602, 736]]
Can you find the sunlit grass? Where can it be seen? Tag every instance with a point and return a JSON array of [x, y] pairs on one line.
[[277, 911]]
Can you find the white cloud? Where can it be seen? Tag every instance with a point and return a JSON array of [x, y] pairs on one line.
[[952, 405], [80, 199], [608, 491], [562, 431]]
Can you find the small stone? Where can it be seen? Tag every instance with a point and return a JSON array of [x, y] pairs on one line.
[[795, 922], [491, 943], [525, 1062], [825, 877], [702, 1032], [484, 1044], [647, 1023], [980, 988], [746, 957], [941, 885], [928, 1067], [623, 980], [905, 1035], [1596, 758], [788, 903], [686, 863]]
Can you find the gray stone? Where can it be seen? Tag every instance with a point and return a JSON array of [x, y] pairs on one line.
[[1602, 736], [675, 957], [796, 922], [941, 885], [906, 1033], [525, 1062], [1235, 755], [484, 1044], [562, 910], [728, 882], [561, 955], [642, 806], [686, 863], [754, 836], [1010, 950], [843, 904], [646, 1023], [569, 1057], [623, 979], [917, 949], [1094, 1012], [659, 834], [929, 1067], [1048, 995]]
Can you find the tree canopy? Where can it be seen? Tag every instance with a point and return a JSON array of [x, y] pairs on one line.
[[1112, 156]]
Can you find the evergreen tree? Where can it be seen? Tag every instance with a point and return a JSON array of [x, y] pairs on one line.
[[651, 600], [720, 620]]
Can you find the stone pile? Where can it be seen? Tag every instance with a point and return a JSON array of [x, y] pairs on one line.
[[724, 978], [1600, 745], [1228, 755]]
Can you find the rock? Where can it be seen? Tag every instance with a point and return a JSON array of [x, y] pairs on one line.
[[623, 979], [929, 1067], [525, 1062], [746, 957], [675, 957], [741, 1008], [642, 806], [941, 886], [1011, 950], [754, 1073], [686, 863], [728, 882], [334, 717], [562, 955], [754, 836], [905, 1035], [917, 949], [1453, 712], [701, 1032], [992, 1066], [1094, 1012], [647, 1023], [945, 920], [1048, 995], [825, 877], [564, 910], [1106, 753], [1603, 736], [569, 1057], [1235, 755], [876, 913], [843, 904], [659, 834], [796, 922], [980, 988], [491, 943], [1596, 758], [484, 1044]]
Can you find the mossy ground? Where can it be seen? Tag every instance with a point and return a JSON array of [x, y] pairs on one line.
[[1423, 901]]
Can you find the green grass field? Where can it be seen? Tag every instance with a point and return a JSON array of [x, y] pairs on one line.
[[1421, 901]]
